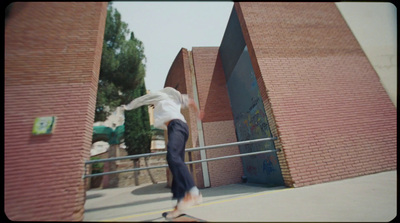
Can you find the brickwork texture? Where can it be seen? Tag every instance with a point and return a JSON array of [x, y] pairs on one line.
[[218, 124], [52, 61], [323, 98]]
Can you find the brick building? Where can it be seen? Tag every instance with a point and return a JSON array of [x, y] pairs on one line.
[[52, 62], [290, 70], [294, 71]]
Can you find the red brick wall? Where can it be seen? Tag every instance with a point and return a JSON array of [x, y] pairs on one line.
[[218, 124], [323, 98], [52, 62], [178, 72]]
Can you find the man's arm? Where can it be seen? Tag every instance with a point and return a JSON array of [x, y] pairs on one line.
[[147, 99]]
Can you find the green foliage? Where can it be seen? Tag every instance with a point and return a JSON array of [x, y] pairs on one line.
[[115, 30], [122, 68], [107, 95], [137, 127], [121, 80], [97, 167]]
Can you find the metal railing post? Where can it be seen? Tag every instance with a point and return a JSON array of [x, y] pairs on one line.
[[187, 150]]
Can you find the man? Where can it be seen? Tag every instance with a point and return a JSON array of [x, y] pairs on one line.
[[167, 115]]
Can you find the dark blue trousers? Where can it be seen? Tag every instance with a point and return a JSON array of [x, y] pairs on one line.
[[182, 180]]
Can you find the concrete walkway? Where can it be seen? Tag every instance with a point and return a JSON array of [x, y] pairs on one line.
[[371, 198]]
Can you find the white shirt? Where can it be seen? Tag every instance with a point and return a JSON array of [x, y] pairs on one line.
[[167, 105]]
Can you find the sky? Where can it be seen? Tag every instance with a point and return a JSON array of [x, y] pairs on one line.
[[166, 27]]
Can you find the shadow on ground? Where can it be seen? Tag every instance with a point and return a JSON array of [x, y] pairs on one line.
[[216, 191], [91, 196], [126, 205], [163, 193], [159, 188]]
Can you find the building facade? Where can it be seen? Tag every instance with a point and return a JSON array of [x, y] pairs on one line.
[[290, 70], [52, 62], [293, 71]]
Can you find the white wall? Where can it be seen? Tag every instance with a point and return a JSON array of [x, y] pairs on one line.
[[374, 24]]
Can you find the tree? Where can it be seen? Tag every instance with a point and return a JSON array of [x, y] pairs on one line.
[[122, 66], [131, 70], [121, 79], [138, 137], [137, 130]]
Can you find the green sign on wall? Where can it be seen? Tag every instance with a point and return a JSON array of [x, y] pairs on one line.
[[43, 125]]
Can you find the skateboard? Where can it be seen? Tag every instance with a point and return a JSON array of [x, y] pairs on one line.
[[182, 217], [166, 213]]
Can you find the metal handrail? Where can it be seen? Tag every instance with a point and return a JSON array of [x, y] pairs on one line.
[[166, 165], [187, 150]]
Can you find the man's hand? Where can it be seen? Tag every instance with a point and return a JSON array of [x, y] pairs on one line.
[[200, 114]]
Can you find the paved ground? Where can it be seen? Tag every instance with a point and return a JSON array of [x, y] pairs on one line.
[[370, 198]]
